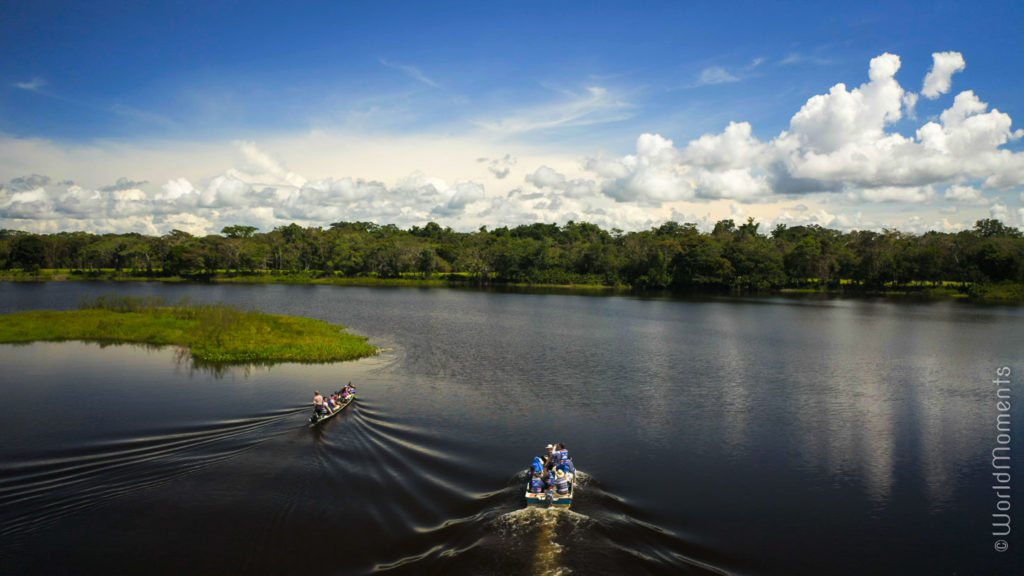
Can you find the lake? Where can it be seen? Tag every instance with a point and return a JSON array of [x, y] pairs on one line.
[[747, 436]]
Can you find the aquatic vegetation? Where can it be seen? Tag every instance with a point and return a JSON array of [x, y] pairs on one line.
[[212, 332]]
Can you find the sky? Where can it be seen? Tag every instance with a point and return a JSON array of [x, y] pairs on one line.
[[151, 116]]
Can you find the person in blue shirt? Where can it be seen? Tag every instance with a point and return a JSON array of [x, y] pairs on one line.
[[536, 484], [561, 455]]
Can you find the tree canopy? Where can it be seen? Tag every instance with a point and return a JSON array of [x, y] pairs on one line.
[[670, 256]]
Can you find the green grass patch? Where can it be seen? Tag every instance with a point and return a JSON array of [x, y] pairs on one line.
[[216, 334], [1002, 293]]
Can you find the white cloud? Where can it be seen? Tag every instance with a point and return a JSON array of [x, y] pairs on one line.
[[33, 85], [715, 75], [545, 177], [909, 195], [965, 195], [225, 191], [839, 154], [910, 104], [838, 141], [735, 183], [940, 78], [179, 192], [29, 204], [186, 222], [735, 147], [999, 211], [652, 176], [830, 121], [259, 167], [499, 167]]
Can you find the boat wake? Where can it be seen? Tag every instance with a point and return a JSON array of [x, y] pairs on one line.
[[538, 532], [601, 534], [37, 491]]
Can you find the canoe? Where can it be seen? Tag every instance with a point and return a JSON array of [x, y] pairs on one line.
[[550, 497], [317, 419]]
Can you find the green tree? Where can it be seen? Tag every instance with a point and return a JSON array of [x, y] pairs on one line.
[[427, 262], [239, 231], [992, 228], [28, 253]]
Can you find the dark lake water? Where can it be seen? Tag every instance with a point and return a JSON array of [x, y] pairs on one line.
[[725, 436]]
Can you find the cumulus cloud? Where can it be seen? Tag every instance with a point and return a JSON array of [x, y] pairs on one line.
[[54, 206], [904, 194], [124, 184], [27, 183], [841, 150], [464, 194], [735, 147], [840, 141], [965, 195], [28, 204], [828, 122], [999, 211], [545, 177], [940, 78], [653, 175]]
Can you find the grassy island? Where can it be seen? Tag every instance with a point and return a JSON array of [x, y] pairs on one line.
[[212, 333]]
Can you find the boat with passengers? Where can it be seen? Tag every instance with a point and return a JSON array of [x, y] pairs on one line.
[[332, 405], [551, 481]]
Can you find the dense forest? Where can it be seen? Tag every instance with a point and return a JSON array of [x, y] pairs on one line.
[[671, 256]]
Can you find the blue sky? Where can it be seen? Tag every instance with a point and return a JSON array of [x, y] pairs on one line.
[[121, 116]]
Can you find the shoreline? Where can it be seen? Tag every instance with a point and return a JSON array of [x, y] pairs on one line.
[[1003, 293]]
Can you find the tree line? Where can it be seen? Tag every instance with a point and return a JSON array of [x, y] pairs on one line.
[[670, 256]]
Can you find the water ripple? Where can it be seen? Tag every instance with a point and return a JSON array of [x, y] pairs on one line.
[[39, 490]]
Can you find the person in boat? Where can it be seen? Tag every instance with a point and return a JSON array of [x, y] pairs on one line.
[[561, 482], [347, 391], [549, 456], [562, 460], [538, 465], [536, 484], [318, 403], [549, 478]]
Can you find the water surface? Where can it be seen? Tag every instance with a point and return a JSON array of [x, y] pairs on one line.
[[753, 436]]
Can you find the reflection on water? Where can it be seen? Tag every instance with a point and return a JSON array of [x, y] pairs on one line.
[[742, 437]]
